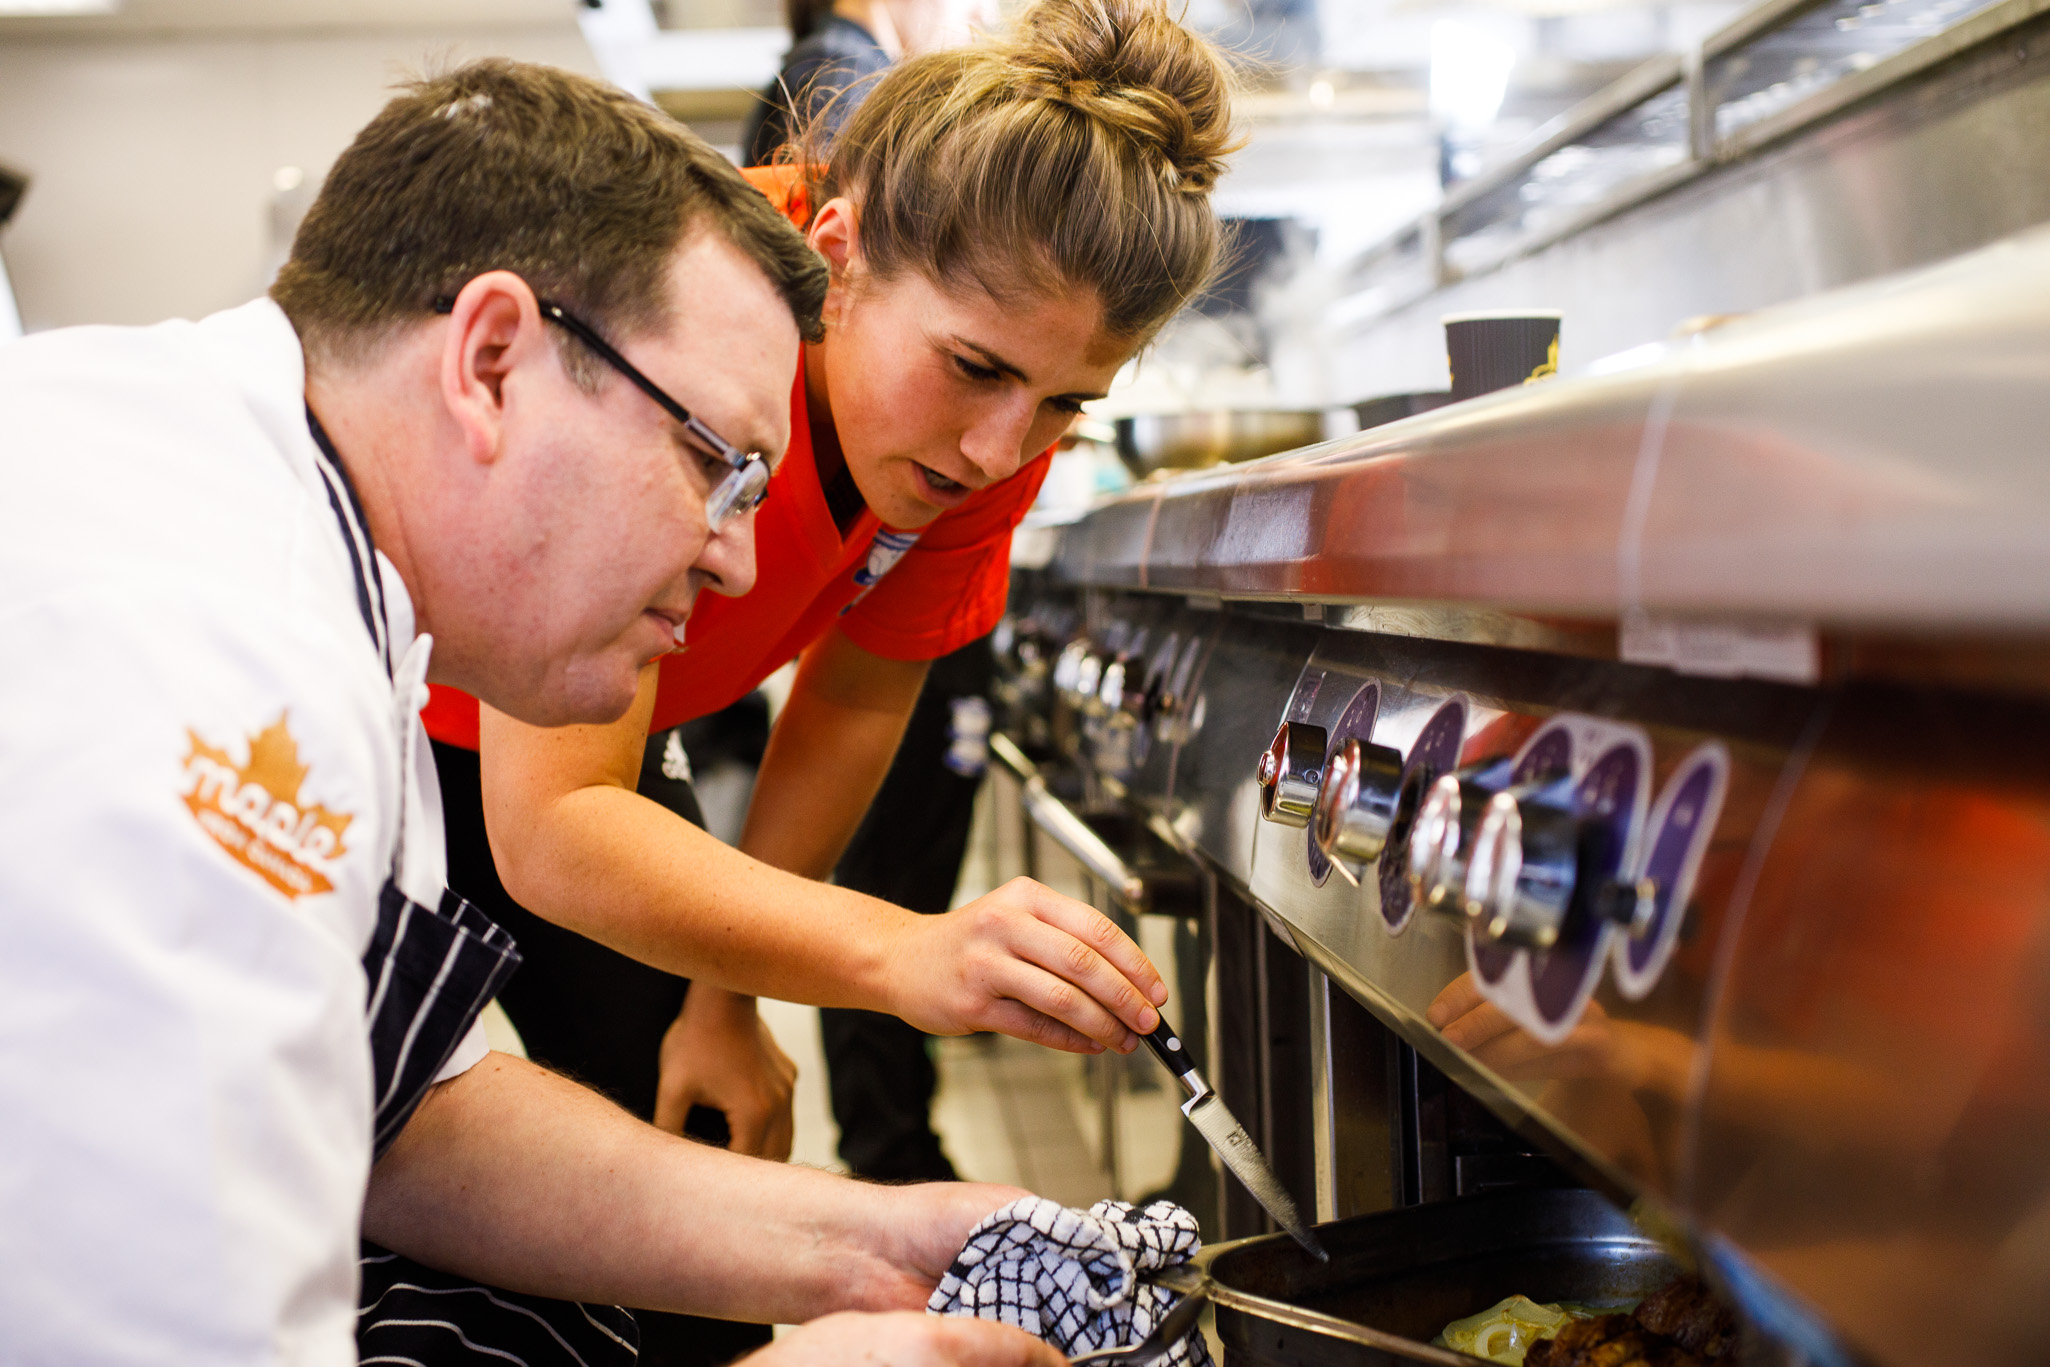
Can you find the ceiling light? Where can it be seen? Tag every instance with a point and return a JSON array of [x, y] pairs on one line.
[[10, 9], [1469, 74]]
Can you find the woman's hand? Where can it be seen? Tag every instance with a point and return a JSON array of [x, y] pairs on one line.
[[718, 1053], [1028, 962], [1476, 1025], [905, 1339], [578, 846]]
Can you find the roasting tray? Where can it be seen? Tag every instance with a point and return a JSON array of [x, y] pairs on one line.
[[1398, 1277]]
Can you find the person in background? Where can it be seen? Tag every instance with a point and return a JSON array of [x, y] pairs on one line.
[[836, 47]]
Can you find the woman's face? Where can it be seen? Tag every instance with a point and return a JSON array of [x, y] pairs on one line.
[[935, 394]]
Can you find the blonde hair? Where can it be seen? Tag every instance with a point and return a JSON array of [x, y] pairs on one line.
[[1079, 152]]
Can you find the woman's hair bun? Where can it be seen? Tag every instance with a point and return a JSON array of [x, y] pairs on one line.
[[1079, 151], [1129, 65]]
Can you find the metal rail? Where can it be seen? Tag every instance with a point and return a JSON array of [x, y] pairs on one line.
[[1423, 254], [1068, 830]]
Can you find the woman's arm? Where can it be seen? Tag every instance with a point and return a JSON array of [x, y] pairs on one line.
[[829, 753], [576, 844]]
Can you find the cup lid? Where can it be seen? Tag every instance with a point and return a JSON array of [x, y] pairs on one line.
[[1504, 315]]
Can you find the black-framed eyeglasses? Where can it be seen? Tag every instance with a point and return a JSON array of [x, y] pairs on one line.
[[747, 484]]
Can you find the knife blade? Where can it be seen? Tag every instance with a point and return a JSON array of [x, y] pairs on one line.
[[1221, 1129]]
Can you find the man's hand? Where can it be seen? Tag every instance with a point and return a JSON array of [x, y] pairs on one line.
[[719, 1054], [1028, 962], [905, 1339]]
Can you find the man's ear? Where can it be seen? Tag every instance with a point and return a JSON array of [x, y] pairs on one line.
[[495, 327]]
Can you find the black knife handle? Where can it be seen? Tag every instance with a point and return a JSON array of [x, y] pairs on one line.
[[1167, 1047]]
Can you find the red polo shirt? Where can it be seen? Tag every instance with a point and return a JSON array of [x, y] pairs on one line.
[[903, 595]]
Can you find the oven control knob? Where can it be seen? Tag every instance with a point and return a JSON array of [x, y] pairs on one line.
[[1137, 702], [1153, 699], [1525, 860], [1111, 693], [1289, 773], [1432, 861], [1177, 677], [1068, 670], [1064, 666], [1088, 679], [1633, 905], [1441, 839], [1356, 802]]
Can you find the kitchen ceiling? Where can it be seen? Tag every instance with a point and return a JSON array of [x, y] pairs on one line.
[[140, 18]]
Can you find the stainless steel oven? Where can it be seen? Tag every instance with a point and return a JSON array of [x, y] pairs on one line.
[[1635, 785]]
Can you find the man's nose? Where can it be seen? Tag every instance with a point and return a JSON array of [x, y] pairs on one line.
[[728, 560]]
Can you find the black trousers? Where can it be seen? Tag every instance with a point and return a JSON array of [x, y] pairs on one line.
[[592, 1014], [908, 850]]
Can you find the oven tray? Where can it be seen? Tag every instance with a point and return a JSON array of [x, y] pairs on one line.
[[1398, 1277]]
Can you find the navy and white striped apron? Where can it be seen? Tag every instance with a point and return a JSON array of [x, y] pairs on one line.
[[431, 970]]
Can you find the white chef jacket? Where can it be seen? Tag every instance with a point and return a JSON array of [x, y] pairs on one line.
[[204, 772]]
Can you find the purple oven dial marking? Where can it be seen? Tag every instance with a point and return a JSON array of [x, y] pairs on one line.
[[1682, 825], [1549, 756], [1435, 752], [1606, 796], [1356, 722]]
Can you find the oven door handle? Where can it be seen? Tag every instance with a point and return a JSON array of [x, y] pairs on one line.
[[1068, 830]]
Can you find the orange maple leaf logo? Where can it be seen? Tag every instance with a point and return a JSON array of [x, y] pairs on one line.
[[252, 811]]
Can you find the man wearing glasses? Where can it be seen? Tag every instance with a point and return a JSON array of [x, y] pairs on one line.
[[737, 490], [237, 1004]]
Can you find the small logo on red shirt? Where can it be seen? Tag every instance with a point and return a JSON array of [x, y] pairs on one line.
[[883, 554]]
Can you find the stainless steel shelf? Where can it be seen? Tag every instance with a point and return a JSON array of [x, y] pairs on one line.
[[1869, 459]]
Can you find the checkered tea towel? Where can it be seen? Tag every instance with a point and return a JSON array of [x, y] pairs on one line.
[[1075, 1278]]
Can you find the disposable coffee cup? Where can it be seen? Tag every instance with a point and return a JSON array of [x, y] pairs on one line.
[[1491, 351]]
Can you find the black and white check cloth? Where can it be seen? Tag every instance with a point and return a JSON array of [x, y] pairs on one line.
[[1076, 1278]]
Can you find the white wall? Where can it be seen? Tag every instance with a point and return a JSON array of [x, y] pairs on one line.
[[10, 321], [151, 162]]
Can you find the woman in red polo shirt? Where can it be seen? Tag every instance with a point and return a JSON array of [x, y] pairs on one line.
[[1006, 226]]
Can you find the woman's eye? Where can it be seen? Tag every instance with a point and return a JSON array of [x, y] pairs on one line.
[[1068, 406], [976, 372]]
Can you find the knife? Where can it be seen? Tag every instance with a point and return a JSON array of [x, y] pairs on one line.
[[1215, 1122]]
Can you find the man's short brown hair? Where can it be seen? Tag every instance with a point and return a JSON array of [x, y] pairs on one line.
[[578, 187]]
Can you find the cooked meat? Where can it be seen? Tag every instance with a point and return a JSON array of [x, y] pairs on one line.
[[1680, 1325], [1683, 1309], [1611, 1341]]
